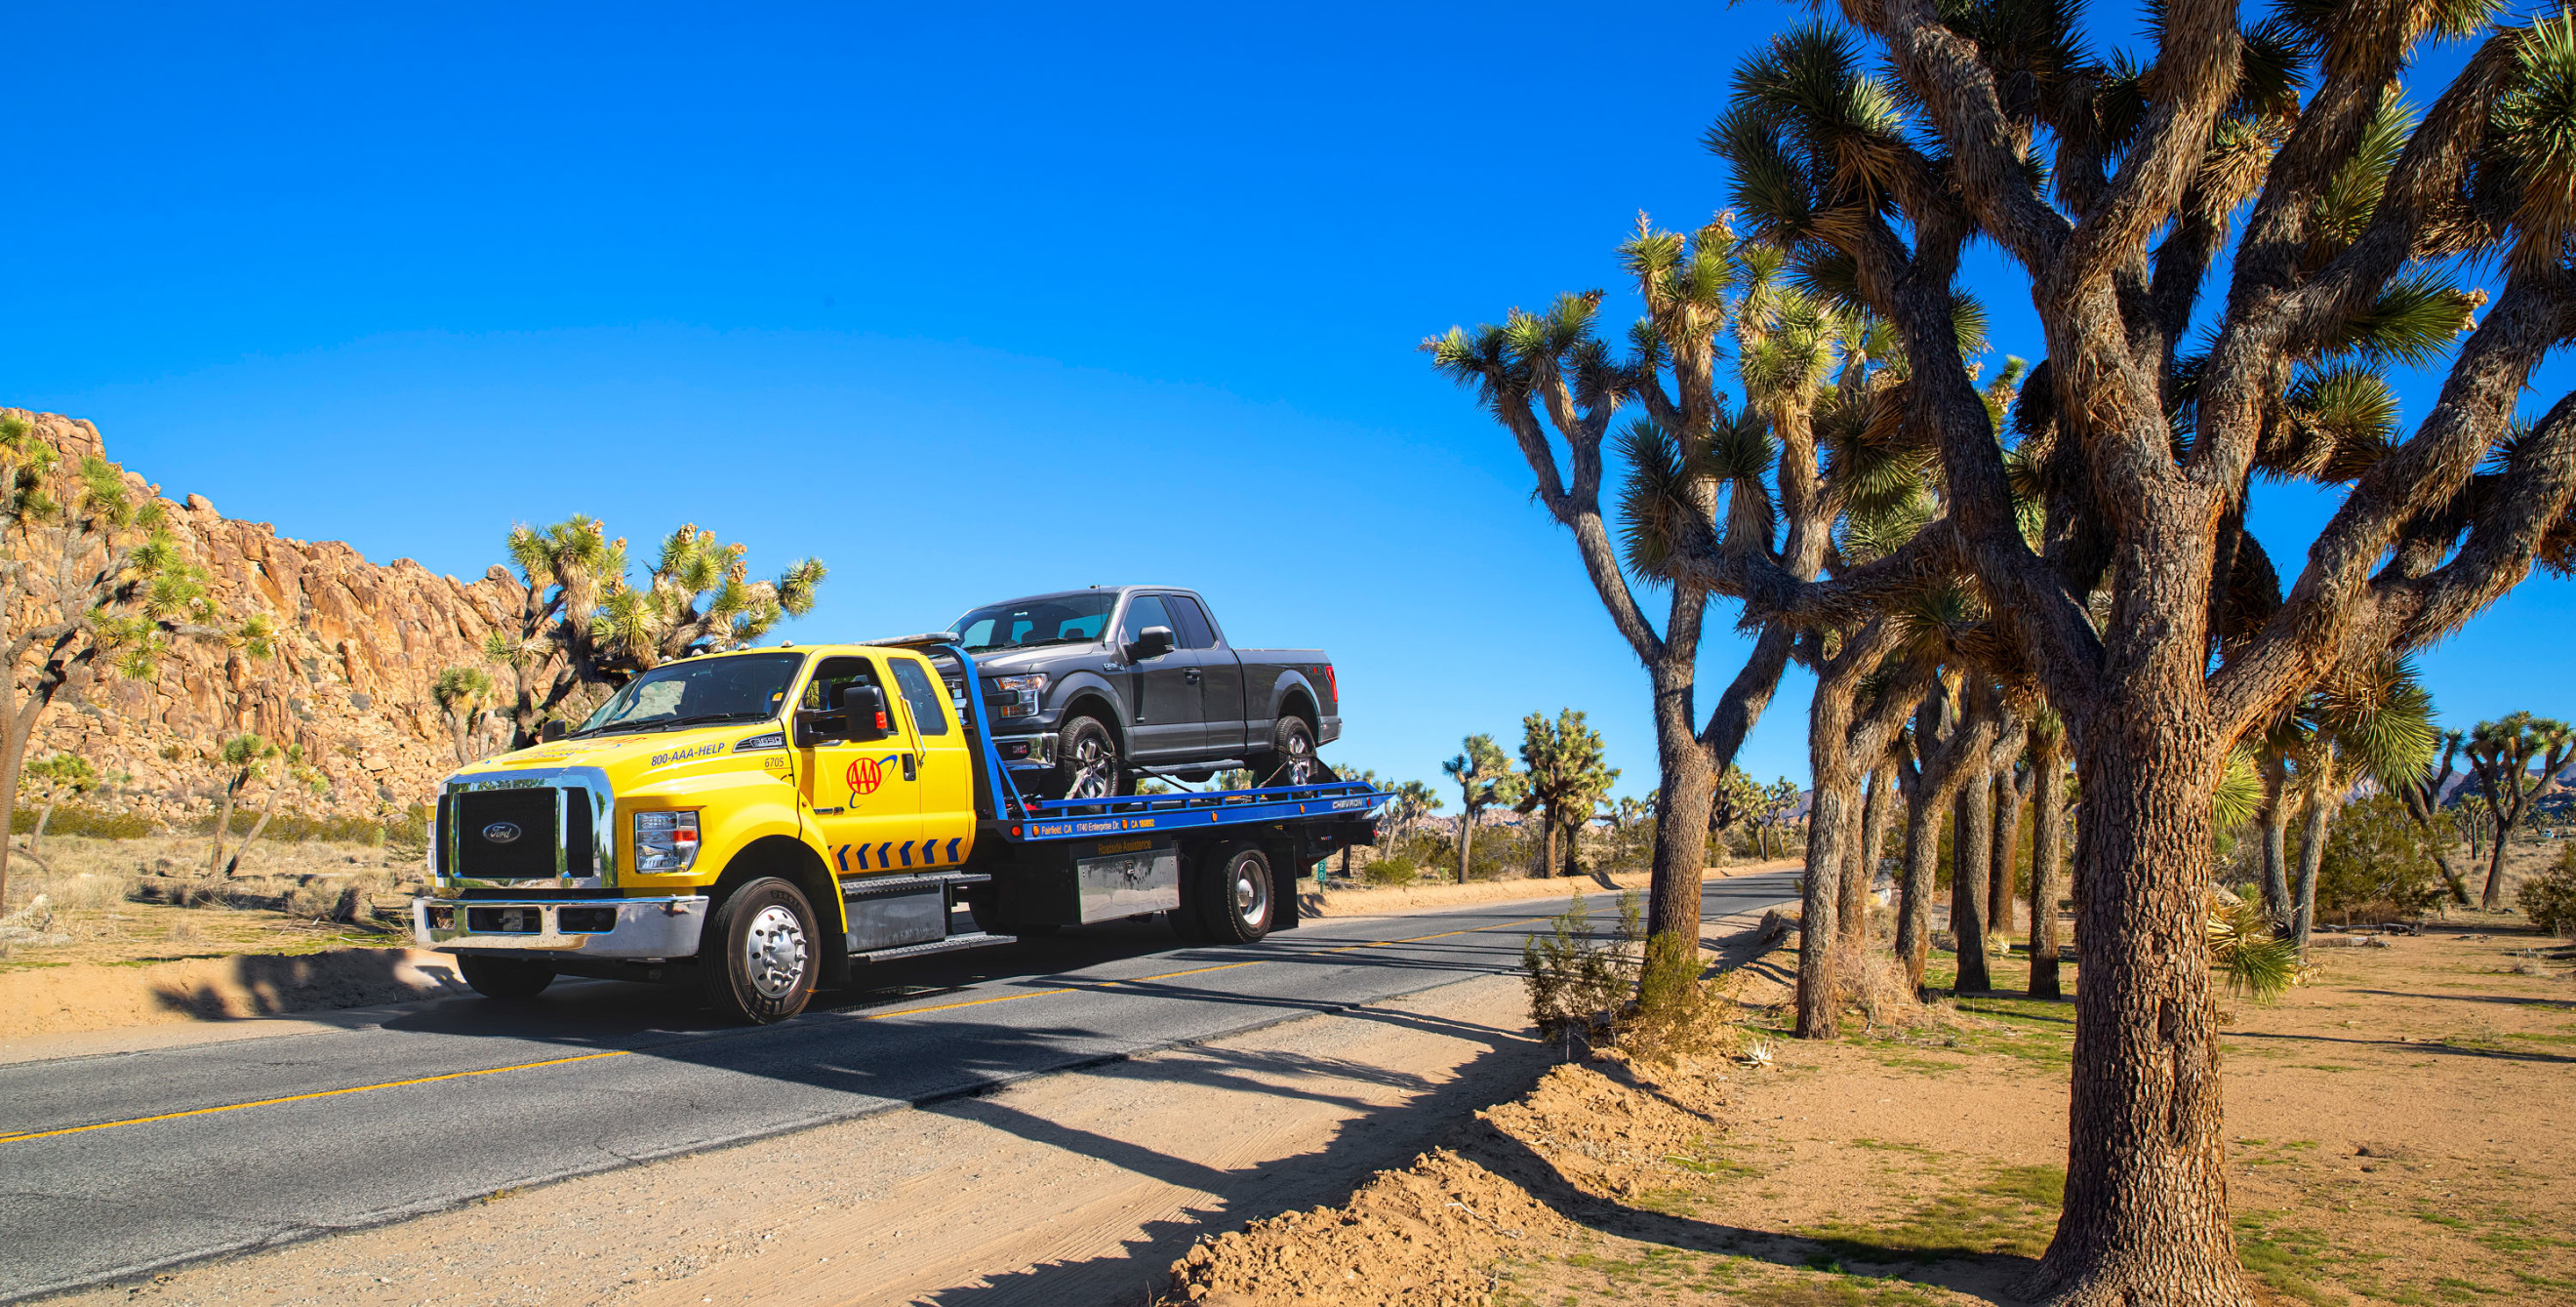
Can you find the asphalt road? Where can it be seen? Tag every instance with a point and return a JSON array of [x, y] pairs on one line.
[[116, 1165]]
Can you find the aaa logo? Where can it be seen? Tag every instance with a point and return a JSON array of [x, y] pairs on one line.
[[864, 776]]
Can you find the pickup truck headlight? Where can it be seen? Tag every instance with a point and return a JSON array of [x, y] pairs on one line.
[[665, 842], [1020, 695]]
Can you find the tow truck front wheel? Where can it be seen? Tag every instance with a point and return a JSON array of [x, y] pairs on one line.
[[758, 955]]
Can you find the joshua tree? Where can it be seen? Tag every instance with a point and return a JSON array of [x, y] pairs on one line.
[[92, 582], [580, 623], [1864, 692], [466, 695], [1485, 779], [2502, 752], [298, 775], [2115, 186], [1692, 468], [2377, 722], [1563, 779], [238, 761], [62, 776], [2422, 796]]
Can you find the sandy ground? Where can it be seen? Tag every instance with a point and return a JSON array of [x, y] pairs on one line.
[[2400, 1130], [1069, 1189]]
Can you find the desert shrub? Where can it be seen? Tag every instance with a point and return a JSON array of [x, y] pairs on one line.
[[2549, 898], [2378, 863], [1679, 1013], [1872, 982], [1578, 984], [83, 820], [1397, 870], [298, 828], [408, 833]]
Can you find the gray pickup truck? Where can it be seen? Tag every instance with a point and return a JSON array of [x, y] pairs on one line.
[[1088, 688]]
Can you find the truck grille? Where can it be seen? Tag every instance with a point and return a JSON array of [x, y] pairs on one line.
[[508, 834]]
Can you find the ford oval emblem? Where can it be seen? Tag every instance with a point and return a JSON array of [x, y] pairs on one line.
[[501, 832]]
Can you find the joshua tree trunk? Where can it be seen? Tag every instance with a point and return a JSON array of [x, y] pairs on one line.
[[1466, 841], [2276, 840], [1999, 890], [223, 829], [1687, 788], [2047, 850], [266, 811], [2493, 899], [1972, 847], [1860, 861], [36, 839], [2145, 1219], [2312, 852], [1944, 771], [1818, 958]]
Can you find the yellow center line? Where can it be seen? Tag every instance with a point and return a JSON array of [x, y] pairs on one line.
[[319, 1093], [627, 1052]]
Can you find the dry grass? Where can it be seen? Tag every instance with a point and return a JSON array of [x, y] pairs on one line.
[[150, 900]]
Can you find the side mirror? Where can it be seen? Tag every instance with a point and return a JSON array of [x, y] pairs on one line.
[[865, 707], [1152, 642], [552, 731]]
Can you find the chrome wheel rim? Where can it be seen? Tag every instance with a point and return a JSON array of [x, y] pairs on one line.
[[1095, 770], [775, 949], [1251, 892], [1299, 769]]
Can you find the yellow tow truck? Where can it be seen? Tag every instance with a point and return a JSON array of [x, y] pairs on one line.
[[760, 822]]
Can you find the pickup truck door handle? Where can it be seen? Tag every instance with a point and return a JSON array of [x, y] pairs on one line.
[[1192, 677]]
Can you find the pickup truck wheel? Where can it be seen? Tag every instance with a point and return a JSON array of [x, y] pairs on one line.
[[1087, 765], [506, 978], [758, 956], [1234, 895], [1291, 760]]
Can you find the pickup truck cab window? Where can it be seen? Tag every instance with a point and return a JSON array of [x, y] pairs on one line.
[[1065, 619], [929, 709], [1193, 628], [1144, 611], [698, 692]]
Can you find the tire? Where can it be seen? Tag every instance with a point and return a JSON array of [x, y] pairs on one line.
[[759, 955], [1234, 894], [1087, 765], [509, 979], [1291, 759]]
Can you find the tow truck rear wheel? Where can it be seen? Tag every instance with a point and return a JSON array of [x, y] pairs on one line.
[[506, 978], [758, 955], [1232, 893]]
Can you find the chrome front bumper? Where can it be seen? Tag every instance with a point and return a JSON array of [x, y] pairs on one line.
[[654, 928]]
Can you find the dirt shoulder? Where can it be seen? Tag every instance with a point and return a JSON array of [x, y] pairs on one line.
[[2397, 1128]]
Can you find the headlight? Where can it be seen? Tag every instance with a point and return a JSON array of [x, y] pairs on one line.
[[1019, 695], [665, 842]]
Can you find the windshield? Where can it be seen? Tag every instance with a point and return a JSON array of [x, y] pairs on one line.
[[698, 692], [1065, 619]]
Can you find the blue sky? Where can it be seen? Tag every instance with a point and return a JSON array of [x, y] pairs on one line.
[[966, 301]]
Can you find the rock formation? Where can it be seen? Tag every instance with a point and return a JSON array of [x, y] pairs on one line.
[[359, 646]]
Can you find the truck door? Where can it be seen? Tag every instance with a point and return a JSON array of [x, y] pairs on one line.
[[946, 771], [867, 808], [1221, 676], [1164, 688]]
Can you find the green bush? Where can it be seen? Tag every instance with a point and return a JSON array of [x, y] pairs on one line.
[[2378, 862], [92, 823], [1398, 870], [2549, 898]]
